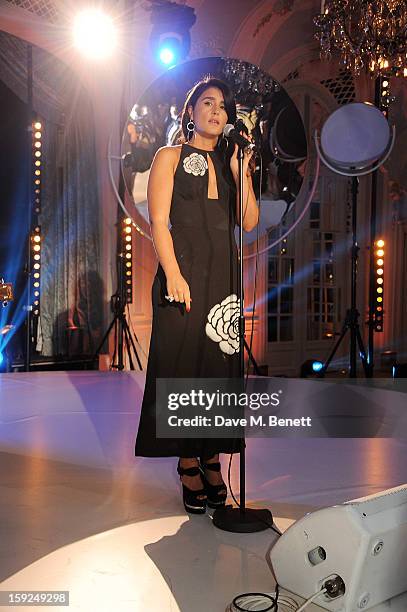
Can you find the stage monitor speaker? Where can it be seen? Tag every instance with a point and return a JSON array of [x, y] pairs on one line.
[[358, 549]]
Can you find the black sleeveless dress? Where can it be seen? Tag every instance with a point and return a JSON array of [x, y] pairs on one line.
[[203, 343]]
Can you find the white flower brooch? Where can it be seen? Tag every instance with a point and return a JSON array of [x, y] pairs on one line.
[[195, 164], [223, 324]]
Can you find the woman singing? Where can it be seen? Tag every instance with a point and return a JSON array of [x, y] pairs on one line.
[[194, 294]]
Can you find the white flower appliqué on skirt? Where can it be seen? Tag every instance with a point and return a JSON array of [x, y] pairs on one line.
[[195, 164], [223, 324]]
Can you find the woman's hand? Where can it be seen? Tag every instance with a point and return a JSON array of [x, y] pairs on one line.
[[247, 155], [178, 287]]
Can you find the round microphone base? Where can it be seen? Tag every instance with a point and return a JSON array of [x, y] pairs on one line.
[[248, 520]]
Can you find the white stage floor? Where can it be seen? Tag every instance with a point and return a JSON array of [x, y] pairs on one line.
[[80, 513]]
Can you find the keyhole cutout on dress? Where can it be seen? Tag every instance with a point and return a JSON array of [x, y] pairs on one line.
[[212, 182]]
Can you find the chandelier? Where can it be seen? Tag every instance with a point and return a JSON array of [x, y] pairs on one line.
[[369, 35], [248, 80]]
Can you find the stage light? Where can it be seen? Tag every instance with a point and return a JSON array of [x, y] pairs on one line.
[[170, 38], [311, 367], [317, 366], [36, 267], [167, 56], [94, 34], [379, 275], [127, 246], [3, 362]]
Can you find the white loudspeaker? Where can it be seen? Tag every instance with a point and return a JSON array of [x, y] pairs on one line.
[[358, 550]]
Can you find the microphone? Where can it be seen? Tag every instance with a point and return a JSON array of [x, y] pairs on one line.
[[231, 132]]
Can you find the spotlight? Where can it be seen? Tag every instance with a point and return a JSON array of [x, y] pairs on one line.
[[94, 34], [317, 366], [167, 55], [311, 367], [170, 39]]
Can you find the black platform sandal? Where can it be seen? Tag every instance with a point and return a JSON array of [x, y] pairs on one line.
[[192, 503], [216, 494]]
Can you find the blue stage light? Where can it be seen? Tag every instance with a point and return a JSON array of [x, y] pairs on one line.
[[312, 367], [170, 38], [317, 366], [167, 56], [3, 362]]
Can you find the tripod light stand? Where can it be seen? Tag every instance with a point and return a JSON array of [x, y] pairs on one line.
[[123, 336], [355, 141]]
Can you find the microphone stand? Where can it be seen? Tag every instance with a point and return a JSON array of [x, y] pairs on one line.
[[242, 519]]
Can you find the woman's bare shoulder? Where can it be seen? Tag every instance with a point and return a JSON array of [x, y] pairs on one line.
[[168, 154]]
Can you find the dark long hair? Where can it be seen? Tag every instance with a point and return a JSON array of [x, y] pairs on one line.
[[223, 148], [197, 90]]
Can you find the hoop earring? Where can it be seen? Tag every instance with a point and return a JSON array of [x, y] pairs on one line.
[[190, 128]]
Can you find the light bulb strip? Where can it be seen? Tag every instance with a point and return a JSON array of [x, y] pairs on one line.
[[127, 257], [37, 165], [36, 247], [380, 253]]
